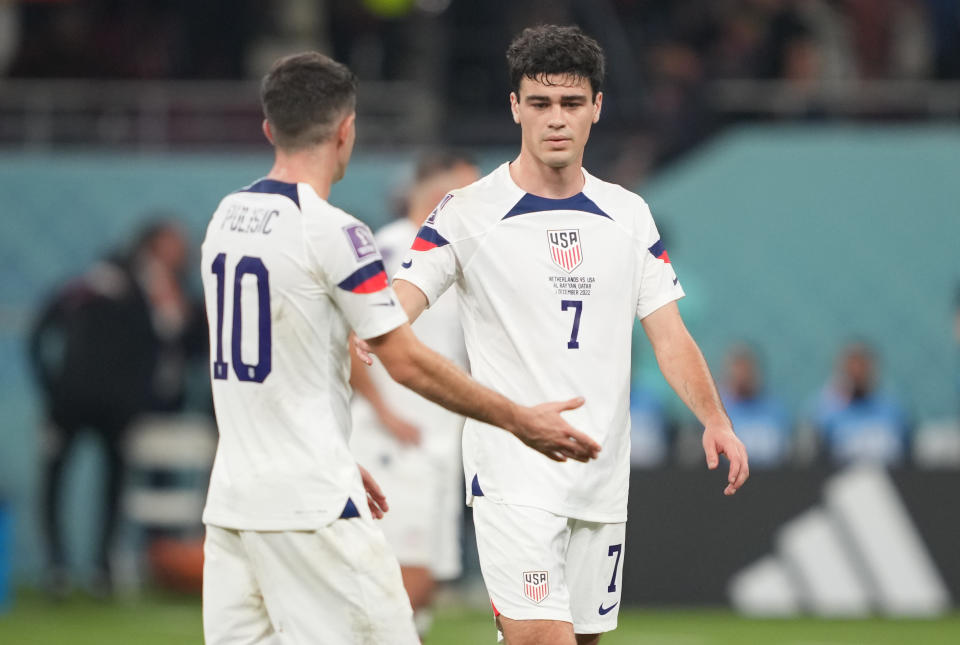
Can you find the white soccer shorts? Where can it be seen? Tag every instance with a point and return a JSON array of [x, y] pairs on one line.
[[541, 566], [425, 494], [339, 585]]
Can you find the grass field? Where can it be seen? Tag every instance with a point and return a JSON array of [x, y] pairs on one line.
[[176, 620]]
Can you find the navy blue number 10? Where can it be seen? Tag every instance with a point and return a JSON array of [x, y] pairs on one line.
[[245, 372]]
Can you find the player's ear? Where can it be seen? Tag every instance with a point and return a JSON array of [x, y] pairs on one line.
[[343, 130], [597, 104], [515, 107], [267, 132]]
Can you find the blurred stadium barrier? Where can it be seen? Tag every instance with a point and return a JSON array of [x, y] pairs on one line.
[[186, 115], [815, 540]]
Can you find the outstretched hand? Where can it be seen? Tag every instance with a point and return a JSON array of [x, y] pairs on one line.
[[543, 429], [376, 500], [720, 440]]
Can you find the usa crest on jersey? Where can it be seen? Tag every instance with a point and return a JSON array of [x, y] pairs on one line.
[[565, 250], [536, 585]]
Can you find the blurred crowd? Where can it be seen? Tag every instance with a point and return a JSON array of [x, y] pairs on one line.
[[663, 54], [678, 40], [852, 418]]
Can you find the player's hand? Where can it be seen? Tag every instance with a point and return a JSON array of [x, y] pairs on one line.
[[376, 500], [402, 430], [720, 440], [542, 428], [361, 348]]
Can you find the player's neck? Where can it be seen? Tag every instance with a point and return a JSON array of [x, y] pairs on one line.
[[539, 179], [314, 166]]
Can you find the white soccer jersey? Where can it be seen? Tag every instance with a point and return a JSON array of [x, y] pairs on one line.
[[285, 277], [548, 291], [439, 329]]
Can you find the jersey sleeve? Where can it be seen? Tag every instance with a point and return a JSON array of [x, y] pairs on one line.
[[658, 281], [431, 264], [348, 262]]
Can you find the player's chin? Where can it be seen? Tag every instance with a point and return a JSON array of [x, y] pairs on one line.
[[558, 158]]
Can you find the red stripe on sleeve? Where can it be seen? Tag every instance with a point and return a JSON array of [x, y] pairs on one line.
[[372, 284], [420, 244]]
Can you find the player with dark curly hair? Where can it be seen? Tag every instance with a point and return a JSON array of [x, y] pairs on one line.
[[551, 266]]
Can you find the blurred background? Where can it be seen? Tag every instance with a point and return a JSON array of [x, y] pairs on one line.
[[801, 157]]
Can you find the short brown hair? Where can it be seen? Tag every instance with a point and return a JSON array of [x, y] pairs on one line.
[[547, 50], [303, 96], [434, 162]]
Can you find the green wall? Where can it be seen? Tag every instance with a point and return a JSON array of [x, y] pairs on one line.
[[799, 238]]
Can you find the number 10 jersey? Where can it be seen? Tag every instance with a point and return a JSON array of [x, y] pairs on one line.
[[548, 291], [285, 277]]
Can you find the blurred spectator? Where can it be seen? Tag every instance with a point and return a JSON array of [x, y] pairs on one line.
[[106, 347], [758, 418], [855, 419]]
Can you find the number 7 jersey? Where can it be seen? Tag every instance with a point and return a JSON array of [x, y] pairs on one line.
[[285, 277], [548, 291]]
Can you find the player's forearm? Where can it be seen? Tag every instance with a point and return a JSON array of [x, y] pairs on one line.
[[435, 378], [687, 372]]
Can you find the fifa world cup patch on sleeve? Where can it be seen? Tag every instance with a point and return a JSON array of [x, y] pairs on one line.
[[432, 219], [361, 239], [536, 585]]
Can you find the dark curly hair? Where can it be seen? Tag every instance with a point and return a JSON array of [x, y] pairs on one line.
[[546, 50], [304, 95]]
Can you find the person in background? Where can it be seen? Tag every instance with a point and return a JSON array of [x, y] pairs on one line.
[[855, 419], [759, 418], [410, 445], [108, 346]]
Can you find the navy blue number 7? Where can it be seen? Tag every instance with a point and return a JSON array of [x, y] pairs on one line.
[[578, 306], [614, 548], [245, 372]]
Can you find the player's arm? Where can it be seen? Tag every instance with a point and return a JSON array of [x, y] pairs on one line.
[[413, 301], [416, 366], [685, 369], [363, 385]]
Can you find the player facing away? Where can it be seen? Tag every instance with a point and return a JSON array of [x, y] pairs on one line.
[[551, 266], [410, 445], [291, 552]]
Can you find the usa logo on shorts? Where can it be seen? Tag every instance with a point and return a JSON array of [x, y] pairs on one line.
[[565, 248], [536, 585]]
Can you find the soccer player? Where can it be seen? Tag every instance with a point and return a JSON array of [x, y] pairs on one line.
[[410, 445], [291, 552], [551, 266]]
